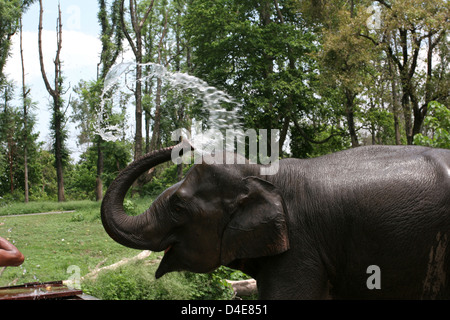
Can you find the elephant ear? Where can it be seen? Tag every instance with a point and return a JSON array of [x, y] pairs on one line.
[[258, 225]]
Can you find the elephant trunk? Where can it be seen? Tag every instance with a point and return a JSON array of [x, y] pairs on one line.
[[128, 230]]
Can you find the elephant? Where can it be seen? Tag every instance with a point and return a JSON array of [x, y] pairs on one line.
[[371, 222]]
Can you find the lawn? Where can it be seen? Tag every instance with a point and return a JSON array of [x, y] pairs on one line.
[[57, 245], [53, 242]]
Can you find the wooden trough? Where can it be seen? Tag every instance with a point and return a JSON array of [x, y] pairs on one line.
[[55, 290]]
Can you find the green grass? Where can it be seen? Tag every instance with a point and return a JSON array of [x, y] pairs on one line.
[[46, 206], [52, 243]]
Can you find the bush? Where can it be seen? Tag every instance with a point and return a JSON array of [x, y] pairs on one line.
[[162, 181], [130, 207], [213, 286], [137, 282], [438, 124]]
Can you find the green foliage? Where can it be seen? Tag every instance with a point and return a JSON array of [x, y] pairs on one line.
[[85, 108], [10, 11], [212, 286], [129, 206], [137, 282], [111, 35], [13, 138], [46, 189], [244, 48], [380, 123], [303, 148], [81, 177], [80, 180], [304, 67], [166, 178], [437, 124]]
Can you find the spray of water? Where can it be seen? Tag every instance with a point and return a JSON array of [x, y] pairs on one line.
[[121, 80]]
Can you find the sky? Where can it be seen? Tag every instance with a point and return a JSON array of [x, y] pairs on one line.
[[80, 54]]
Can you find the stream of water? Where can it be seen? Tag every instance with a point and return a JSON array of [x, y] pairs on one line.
[[220, 110]]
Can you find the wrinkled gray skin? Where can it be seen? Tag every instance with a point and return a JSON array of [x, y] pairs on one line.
[[308, 232]]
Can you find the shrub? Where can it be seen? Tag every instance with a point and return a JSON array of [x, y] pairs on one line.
[[137, 282], [438, 124], [164, 180]]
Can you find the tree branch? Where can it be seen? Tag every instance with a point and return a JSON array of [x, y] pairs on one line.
[[57, 61], [41, 58], [305, 136], [415, 56], [438, 39], [376, 43], [244, 287], [149, 10], [124, 28], [280, 16], [141, 256]]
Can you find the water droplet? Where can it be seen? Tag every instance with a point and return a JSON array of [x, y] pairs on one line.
[[121, 79]]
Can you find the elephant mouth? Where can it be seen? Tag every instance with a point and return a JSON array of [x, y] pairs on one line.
[[168, 262], [168, 249], [167, 243], [172, 259]]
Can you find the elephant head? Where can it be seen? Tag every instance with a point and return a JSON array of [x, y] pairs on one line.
[[216, 215]]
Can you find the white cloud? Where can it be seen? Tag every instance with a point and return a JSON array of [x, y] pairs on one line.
[[79, 54]]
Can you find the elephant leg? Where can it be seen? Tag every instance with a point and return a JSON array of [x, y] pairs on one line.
[[294, 283]]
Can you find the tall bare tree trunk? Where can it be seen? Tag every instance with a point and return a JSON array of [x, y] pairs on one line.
[[98, 179], [395, 107], [25, 118], [57, 101], [9, 140], [350, 114], [157, 118], [111, 37], [137, 25]]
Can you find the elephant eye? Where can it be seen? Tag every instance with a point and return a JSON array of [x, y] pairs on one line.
[[178, 213], [178, 208]]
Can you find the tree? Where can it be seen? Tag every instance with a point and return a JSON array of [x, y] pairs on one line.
[[155, 141], [11, 20], [26, 105], [45, 166], [56, 92], [81, 176], [408, 28], [138, 20], [9, 12], [347, 59], [85, 107], [437, 124], [260, 53], [402, 33], [8, 126], [111, 37], [13, 137]]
